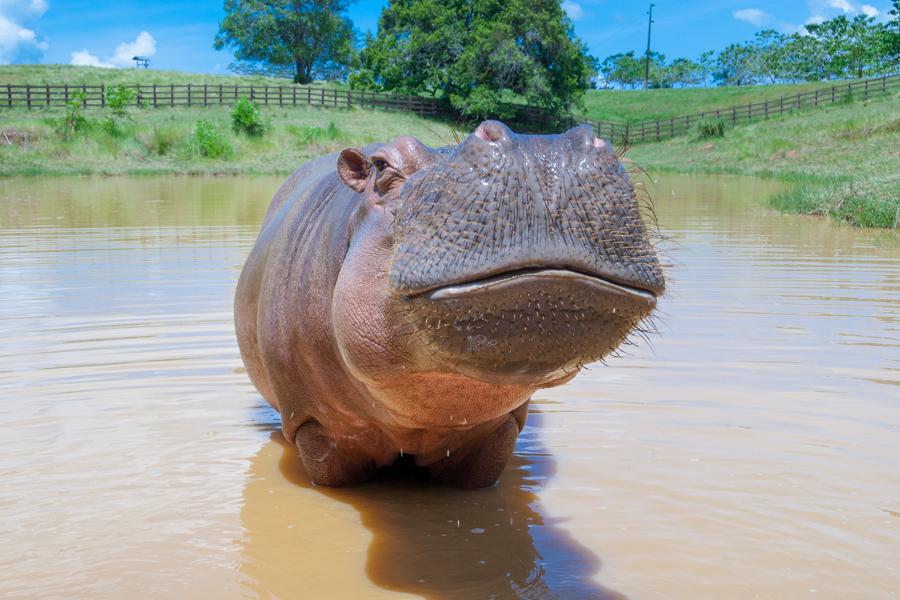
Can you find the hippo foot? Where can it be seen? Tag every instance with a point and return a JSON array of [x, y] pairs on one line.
[[481, 464], [327, 461]]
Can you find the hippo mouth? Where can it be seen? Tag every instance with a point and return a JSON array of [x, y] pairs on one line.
[[498, 282], [526, 325]]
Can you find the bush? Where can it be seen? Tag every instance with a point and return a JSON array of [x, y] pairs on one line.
[[118, 98], [73, 120], [245, 117], [710, 128], [210, 142], [163, 140], [306, 134]]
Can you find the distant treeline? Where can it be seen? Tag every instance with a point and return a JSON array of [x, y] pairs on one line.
[[839, 48]]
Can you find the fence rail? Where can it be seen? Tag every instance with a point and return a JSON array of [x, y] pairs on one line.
[[531, 117], [660, 129], [160, 95]]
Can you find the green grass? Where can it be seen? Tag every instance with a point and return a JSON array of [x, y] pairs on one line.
[[68, 74], [170, 141], [649, 105], [842, 161]]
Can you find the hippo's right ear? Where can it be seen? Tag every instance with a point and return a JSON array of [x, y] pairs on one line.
[[353, 169]]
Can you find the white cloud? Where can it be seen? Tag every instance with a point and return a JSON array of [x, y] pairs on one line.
[[754, 16], [842, 5], [815, 20], [86, 59], [869, 10], [19, 43], [573, 9], [143, 45]]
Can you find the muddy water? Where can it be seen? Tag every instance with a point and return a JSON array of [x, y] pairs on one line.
[[751, 450]]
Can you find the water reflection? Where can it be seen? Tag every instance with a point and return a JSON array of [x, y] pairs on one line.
[[427, 540]]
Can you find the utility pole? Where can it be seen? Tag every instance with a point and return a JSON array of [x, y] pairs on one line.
[[647, 63]]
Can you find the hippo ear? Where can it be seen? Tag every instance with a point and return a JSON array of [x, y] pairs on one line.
[[353, 169]]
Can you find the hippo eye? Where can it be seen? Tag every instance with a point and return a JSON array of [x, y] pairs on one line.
[[379, 164]]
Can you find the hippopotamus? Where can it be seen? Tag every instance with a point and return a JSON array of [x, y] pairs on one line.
[[407, 301]]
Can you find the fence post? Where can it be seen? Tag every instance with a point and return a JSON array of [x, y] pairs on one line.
[[816, 99], [84, 100], [28, 95], [205, 94], [103, 95], [154, 95], [9, 101], [866, 90], [66, 94], [172, 94], [766, 109], [733, 116], [47, 93], [322, 97], [294, 93], [221, 95]]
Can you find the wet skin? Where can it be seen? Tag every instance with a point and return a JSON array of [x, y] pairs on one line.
[[404, 300]]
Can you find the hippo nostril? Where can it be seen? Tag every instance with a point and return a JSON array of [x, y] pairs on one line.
[[489, 131]]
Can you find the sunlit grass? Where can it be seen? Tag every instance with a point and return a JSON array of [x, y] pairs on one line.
[[160, 140], [842, 161]]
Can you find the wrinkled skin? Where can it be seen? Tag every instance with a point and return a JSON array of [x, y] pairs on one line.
[[408, 300]]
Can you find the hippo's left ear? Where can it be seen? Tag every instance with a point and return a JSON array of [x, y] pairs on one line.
[[353, 169]]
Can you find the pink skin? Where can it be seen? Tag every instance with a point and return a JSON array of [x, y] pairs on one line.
[[354, 387]]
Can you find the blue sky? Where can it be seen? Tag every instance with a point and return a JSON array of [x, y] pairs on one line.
[[178, 35]]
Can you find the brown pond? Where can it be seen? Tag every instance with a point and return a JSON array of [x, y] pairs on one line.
[[750, 450]]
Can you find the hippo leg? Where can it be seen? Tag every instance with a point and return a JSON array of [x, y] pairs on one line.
[[481, 462], [330, 462]]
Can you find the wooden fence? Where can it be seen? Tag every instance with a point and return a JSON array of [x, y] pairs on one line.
[[160, 95], [529, 118], [653, 131]]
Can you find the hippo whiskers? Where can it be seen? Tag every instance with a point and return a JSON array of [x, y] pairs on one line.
[[403, 300]]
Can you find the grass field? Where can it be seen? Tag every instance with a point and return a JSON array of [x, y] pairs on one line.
[[843, 160], [166, 140], [649, 105], [67, 74]]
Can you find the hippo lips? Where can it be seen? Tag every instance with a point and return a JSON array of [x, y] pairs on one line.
[[500, 281]]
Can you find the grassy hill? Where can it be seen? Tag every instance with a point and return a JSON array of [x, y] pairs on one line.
[[68, 74], [171, 140], [649, 105], [844, 160]]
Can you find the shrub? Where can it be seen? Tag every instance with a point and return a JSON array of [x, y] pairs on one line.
[[307, 134], [245, 118], [209, 141], [710, 128], [73, 120], [163, 140], [117, 99]]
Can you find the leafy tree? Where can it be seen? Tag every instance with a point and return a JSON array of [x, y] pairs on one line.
[[623, 69], [686, 72], [476, 53], [850, 45], [736, 65], [707, 64], [769, 46], [300, 38]]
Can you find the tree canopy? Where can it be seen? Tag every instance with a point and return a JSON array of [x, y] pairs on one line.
[[838, 48], [301, 38], [477, 54]]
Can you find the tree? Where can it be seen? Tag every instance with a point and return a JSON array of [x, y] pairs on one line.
[[686, 72], [736, 65], [300, 38], [769, 46], [707, 64], [476, 53], [624, 69], [850, 45]]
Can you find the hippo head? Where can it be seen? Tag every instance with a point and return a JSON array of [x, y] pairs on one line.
[[489, 269]]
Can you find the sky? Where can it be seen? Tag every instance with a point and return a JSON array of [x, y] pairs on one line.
[[179, 35]]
